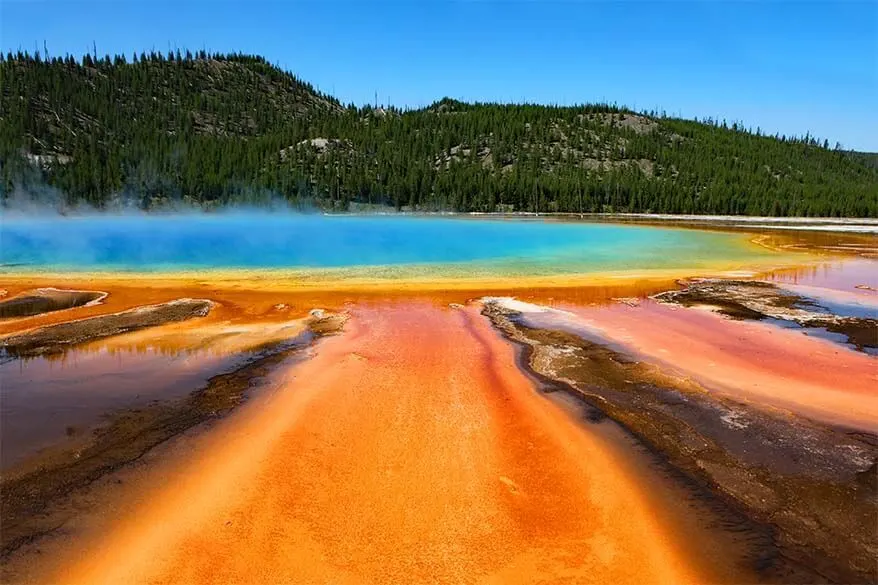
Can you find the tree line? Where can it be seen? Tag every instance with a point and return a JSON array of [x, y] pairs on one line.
[[217, 129]]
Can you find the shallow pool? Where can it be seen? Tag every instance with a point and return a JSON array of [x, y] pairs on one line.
[[272, 241]]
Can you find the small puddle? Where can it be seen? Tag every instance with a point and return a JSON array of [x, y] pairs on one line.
[[47, 401], [858, 276]]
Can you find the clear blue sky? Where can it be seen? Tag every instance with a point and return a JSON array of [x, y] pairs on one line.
[[786, 67]]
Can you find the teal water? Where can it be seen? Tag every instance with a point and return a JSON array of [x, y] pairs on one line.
[[272, 241]]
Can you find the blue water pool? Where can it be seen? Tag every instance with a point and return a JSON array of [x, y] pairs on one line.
[[269, 241]]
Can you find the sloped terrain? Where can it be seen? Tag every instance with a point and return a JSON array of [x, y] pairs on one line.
[[209, 130]]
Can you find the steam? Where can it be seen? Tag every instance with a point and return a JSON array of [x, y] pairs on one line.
[[41, 228], [39, 199]]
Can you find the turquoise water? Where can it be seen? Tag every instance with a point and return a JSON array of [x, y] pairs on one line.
[[270, 241]]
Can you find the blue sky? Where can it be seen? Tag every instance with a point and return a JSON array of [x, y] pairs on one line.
[[783, 66]]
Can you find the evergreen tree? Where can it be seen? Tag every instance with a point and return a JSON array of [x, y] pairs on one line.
[[217, 129]]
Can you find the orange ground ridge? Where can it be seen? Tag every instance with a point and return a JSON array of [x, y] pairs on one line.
[[378, 280], [409, 449], [412, 449], [265, 300], [752, 361]]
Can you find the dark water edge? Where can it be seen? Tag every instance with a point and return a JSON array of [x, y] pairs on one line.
[[850, 325], [33, 507], [794, 510]]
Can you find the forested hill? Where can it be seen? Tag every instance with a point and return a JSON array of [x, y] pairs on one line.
[[216, 129]]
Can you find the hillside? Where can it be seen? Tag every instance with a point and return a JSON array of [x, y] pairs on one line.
[[217, 129]]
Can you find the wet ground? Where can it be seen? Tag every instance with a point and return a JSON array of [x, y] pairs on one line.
[[847, 318], [55, 401], [36, 482], [46, 300], [592, 432], [408, 448], [804, 491]]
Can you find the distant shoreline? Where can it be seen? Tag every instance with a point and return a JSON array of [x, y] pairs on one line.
[[854, 225], [833, 224]]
